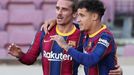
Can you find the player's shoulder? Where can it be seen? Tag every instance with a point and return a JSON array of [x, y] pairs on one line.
[[106, 34], [76, 25], [77, 30], [39, 32]]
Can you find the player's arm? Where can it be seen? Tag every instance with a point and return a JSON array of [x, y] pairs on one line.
[[116, 71], [33, 52], [94, 57], [88, 59], [31, 55], [83, 58]]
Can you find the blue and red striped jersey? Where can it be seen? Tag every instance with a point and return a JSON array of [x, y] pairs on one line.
[[55, 60], [99, 53]]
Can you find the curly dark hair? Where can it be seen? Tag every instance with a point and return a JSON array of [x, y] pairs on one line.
[[94, 6]]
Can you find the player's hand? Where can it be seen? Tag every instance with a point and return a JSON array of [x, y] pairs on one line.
[[61, 41], [117, 71], [47, 26], [14, 50]]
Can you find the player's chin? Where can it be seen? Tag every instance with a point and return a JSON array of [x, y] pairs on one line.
[[81, 28]]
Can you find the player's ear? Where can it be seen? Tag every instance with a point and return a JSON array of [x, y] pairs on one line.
[[95, 16]]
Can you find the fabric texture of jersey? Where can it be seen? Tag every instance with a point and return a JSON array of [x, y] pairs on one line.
[[99, 55], [55, 60]]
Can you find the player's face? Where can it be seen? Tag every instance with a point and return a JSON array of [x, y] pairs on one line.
[[64, 12], [85, 19]]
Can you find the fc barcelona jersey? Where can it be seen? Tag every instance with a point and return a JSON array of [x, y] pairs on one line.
[[99, 55], [55, 60]]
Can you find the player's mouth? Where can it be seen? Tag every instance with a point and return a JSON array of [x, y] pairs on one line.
[[59, 18]]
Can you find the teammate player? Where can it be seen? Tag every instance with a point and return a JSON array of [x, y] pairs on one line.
[[55, 60], [99, 47]]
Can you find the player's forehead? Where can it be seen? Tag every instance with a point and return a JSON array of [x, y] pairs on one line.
[[64, 3], [83, 11]]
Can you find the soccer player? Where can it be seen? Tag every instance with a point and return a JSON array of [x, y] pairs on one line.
[[99, 55], [55, 60]]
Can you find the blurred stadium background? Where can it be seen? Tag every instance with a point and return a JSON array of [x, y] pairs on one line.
[[20, 19]]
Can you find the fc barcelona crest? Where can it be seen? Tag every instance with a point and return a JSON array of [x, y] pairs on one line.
[[72, 43]]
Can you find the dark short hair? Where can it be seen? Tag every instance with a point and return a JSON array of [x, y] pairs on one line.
[[94, 6], [74, 5]]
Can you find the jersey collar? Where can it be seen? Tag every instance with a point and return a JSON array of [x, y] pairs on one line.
[[97, 32], [65, 34]]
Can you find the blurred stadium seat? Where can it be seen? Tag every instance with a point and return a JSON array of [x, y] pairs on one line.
[[3, 38], [52, 1], [4, 3], [22, 35], [48, 9], [37, 3], [14, 27], [3, 18], [3, 54], [4, 41], [25, 14], [0, 6], [17, 6], [124, 6]]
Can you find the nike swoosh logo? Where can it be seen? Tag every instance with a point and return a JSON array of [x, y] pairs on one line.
[[47, 40]]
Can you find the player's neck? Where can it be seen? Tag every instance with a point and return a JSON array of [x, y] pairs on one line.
[[95, 27], [65, 28]]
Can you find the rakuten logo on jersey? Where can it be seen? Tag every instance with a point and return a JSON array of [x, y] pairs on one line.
[[56, 56]]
